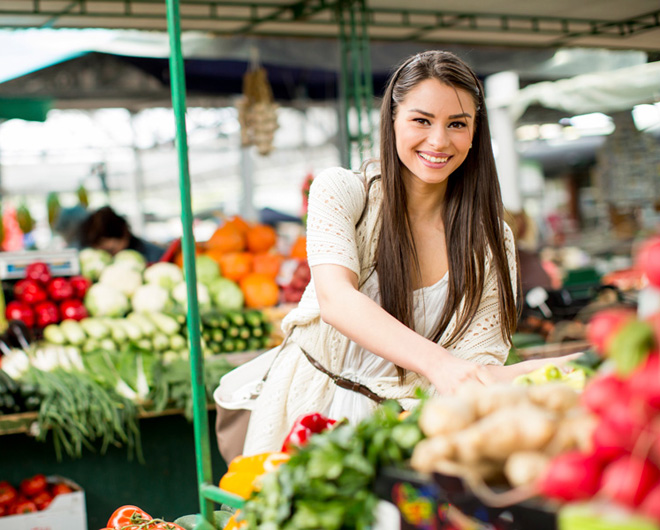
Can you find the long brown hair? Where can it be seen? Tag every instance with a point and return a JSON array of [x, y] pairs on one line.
[[472, 210]]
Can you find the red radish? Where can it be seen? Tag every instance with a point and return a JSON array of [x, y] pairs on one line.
[[571, 476], [629, 479], [644, 382], [648, 260], [599, 394], [654, 320], [604, 325], [17, 310], [651, 504]]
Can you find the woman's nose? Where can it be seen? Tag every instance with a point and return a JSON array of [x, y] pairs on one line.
[[437, 137]]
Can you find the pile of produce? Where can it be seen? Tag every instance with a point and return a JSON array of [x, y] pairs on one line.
[[33, 494], [234, 331], [500, 431], [40, 299], [328, 482]]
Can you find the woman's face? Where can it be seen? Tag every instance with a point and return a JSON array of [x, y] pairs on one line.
[[433, 128]]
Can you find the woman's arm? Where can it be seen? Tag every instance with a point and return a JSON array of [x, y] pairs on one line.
[[363, 321]]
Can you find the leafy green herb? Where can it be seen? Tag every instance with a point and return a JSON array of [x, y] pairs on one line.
[[78, 411], [329, 482]]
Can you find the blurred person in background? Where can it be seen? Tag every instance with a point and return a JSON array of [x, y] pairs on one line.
[[106, 230], [68, 224]]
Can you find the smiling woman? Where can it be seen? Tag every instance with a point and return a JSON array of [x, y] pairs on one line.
[[414, 276]]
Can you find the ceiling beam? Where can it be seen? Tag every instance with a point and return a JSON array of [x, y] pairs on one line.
[[253, 14]]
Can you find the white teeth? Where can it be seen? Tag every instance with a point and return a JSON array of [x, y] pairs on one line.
[[435, 160]]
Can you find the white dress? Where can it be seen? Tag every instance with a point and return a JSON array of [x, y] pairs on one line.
[[295, 387], [363, 366]]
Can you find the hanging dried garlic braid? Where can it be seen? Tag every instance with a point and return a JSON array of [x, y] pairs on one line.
[[257, 112]]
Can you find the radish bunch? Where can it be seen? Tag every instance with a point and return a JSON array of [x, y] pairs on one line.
[[623, 463]]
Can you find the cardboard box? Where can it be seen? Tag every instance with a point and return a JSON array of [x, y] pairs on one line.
[[66, 512]]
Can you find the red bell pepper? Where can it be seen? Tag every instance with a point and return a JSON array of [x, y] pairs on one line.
[[59, 289], [74, 309], [303, 428], [20, 311], [47, 313], [39, 272], [29, 291], [80, 286]]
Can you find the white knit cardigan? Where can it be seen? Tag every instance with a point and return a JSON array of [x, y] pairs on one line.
[[294, 387]]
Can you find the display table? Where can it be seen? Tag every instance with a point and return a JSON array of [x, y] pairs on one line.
[[164, 486]]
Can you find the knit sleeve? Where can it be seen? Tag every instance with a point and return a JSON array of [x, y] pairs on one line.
[[336, 201], [483, 341]]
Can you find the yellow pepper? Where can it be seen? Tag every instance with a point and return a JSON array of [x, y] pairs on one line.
[[233, 523], [243, 474]]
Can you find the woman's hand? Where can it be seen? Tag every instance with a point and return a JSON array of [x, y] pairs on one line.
[[493, 374], [450, 373]]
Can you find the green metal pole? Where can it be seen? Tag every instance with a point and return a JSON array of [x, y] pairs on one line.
[[178, 86], [344, 88]]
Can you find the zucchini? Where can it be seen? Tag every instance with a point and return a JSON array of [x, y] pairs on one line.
[[240, 345], [145, 324], [228, 346], [73, 331], [53, 333], [165, 324], [178, 342], [236, 318], [254, 318], [95, 328], [244, 332], [132, 330]]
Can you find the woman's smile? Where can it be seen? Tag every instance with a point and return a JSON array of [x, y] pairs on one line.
[[433, 127]]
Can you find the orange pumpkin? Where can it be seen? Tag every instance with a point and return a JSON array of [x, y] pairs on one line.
[[261, 238], [235, 265], [299, 248], [239, 223], [267, 263], [260, 290], [226, 238]]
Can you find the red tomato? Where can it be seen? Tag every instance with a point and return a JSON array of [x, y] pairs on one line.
[[59, 289], [24, 506], [128, 514], [7, 493], [47, 313], [20, 311], [29, 291], [38, 271], [74, 309], [60, 488], [648, 260], [604, 325], [42, 499], [33, 485], [80, 286]]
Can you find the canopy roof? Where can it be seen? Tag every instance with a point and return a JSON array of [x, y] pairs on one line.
[[633, 24]]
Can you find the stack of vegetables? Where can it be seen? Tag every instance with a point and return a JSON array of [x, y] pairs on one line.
[[246, 255], [33, 494], [41, 299]]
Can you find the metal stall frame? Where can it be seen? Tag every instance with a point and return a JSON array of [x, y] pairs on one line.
[[358, 95]]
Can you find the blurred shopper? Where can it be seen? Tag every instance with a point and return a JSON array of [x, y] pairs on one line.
[[414, 278], [106, 230], [68, 224]]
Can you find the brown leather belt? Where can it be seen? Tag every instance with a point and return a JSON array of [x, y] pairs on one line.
[[342, 382]]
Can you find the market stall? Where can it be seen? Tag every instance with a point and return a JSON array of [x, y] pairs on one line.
[[406, 432]]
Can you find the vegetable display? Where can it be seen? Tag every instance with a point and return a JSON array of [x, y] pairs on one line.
[[33, 494], [40, 299], [328, 483]]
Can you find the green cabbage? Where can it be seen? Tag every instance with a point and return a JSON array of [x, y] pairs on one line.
[[226, 294], [131, 258], [151, 297], [122, 278], [93, 261], [105, 300], [164, 274], [207, 269]]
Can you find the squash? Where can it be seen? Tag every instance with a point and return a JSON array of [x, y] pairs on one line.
[[226, 238], [261, 238], [260, 290], [235, 265], [267, 263]]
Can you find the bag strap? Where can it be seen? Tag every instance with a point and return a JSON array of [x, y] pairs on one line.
[[343, 382]]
